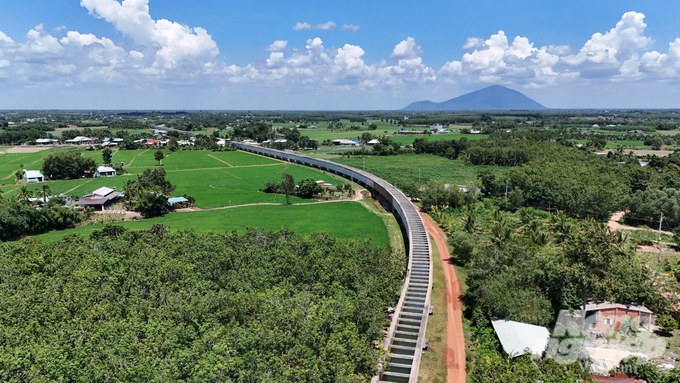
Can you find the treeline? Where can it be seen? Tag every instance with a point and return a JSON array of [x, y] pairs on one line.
[[140, 306], [18, 217]]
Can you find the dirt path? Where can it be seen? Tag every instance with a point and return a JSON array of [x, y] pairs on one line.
[[133, 158], [356, 198], [224, 162], [454, 325], [614, 224]]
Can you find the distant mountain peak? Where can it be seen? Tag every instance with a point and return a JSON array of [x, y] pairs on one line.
[[493, 97]]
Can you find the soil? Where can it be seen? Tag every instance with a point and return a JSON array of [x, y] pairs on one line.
[[454, 326], [25, 149]]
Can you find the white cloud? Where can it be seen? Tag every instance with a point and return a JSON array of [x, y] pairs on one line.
[[277, 46], [473, 43], [407, 49], [307, 27], [135, 55], [60, 28], [350, 27], [180, 45]]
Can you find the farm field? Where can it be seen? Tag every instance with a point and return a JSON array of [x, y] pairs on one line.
[[207, 176], [344, 220], [418, 169], [408, 139]]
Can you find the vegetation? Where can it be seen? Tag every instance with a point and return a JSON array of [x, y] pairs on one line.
[[18, 218], [68, 165], [139, 306]]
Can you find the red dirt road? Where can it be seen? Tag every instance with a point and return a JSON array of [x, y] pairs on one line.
[[454, 324]]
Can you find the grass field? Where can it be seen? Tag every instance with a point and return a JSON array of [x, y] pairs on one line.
[[214, 179], [342, 219], [408, 140], [419, 168]]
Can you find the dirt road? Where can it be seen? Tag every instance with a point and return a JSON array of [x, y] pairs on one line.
[[454, 324], [615, 225]]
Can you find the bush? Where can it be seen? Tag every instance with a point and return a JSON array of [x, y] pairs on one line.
[[666, 323], [463, 246], [150, 204]]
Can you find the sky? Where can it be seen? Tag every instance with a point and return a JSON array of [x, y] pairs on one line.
[[334, 55]]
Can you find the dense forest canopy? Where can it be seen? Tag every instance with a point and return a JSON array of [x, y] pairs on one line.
[[155, 305]]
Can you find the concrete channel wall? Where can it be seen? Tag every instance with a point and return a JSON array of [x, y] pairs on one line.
[[405, 339]]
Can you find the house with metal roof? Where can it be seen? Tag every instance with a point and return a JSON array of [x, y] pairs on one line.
[[100, 198], [611, 316], [33, 176], [105, 171]]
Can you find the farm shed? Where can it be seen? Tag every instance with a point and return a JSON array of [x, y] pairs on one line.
[[33, 176]]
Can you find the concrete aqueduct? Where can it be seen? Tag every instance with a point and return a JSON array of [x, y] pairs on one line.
[[405, 339]]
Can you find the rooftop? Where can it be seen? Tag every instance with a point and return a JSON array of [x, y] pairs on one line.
[[516, 337], [592, 306]]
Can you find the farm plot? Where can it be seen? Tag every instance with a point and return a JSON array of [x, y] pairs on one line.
[[344, 220]]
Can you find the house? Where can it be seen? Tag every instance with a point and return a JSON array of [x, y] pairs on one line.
[[436, 127], [643, 163], [373, 142], [610, 316], [82, 140], [404, 131], [595, 126], [178, 202], [344, 142], [33, 176], [73, 126], [475, 131], [517, 337], [586, 131], [105, 171], [46, 141], [99, 199]]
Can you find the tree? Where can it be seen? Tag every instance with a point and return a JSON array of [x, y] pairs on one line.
[[106, 156], [288, 185], [152, 178], [158, 156], [667, 323], [308, 188], [372, 126], [129, 191], [150, 204], [46, 192], [68, 165], [173, 145], [24, 194]]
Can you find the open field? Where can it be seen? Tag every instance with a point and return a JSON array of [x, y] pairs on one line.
[[214, 179], [408, 139], [418, 168], [342, 219]]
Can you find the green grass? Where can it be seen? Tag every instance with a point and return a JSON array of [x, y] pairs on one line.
[[408, 139], [341, 219], [216, 185], [409, 168]]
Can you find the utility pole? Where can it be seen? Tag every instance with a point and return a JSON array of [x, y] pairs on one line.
[[659, 241]]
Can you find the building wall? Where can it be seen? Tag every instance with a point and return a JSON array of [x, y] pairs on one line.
[[612, 319]]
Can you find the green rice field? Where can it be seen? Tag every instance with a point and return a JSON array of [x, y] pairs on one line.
[[341, 219]]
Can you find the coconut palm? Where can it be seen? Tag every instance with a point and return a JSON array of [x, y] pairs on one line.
[[24, 194], [129, 191], [45, 191]]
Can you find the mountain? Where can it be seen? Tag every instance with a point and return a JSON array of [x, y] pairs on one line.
[[494, 97]]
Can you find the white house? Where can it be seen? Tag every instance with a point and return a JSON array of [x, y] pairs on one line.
[[373, 142], [81, 140], [33, 176], [46, 141], [344, 142], [517, 337], [105, 171]]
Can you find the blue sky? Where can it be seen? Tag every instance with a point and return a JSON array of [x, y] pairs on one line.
[[206, 54]]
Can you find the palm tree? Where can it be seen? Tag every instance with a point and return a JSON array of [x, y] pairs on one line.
[[45, 191], [24, 194], [129, 191]]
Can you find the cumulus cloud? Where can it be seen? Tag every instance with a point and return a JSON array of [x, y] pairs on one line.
[[306, 26], [350, 27], [277, 46], [407, 49], [473, 43], [163, 52], [179, 44]]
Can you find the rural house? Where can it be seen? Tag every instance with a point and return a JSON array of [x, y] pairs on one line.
[[611, 316], [105, 171], [33, 176], [99, 199]]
